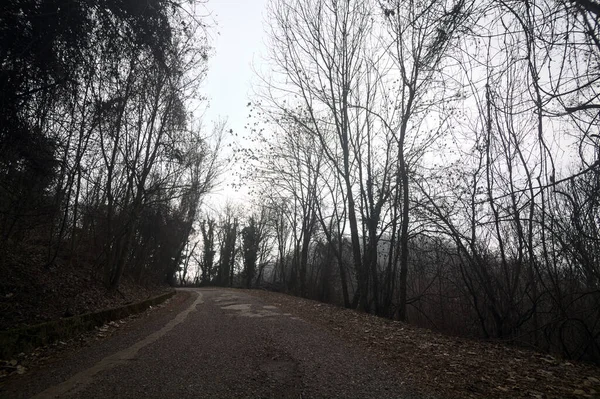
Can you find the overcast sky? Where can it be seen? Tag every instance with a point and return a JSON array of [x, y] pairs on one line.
[[239, 43]]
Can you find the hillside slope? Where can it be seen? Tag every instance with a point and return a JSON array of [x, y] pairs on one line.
[[31, 293]]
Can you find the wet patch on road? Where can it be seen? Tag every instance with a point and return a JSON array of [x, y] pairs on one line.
[[236, 303], [241, 306]]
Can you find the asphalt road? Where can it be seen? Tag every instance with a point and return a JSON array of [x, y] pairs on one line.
[[213, 343]]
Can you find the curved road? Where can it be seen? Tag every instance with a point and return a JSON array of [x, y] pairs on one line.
[[214, 343]]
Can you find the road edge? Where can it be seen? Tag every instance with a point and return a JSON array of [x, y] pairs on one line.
[[85, 377], [25, 339]]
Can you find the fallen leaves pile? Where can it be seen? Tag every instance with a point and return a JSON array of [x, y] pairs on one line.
[[449, 367]]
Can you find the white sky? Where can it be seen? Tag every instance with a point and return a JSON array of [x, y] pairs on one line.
[[238, 41]]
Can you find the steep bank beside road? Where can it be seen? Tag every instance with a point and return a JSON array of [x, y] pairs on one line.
[[448, 367], [31, 293]]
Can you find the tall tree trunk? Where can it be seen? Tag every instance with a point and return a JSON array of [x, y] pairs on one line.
[[401, 315]]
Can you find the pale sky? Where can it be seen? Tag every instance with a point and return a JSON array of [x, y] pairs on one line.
[[238, 41]]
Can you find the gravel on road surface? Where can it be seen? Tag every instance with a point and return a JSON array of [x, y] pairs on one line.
[[214, 343]]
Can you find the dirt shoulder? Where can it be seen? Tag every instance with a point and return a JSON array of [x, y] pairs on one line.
[[448, 367]]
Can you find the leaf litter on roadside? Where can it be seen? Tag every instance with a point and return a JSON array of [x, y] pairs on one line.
[[43, 354], [450, 367]]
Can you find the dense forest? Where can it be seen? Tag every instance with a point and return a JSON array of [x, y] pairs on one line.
[[102, 162], [435, 162]]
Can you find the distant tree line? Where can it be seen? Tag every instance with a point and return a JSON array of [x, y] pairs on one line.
[[101, 161], [235, 249]]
